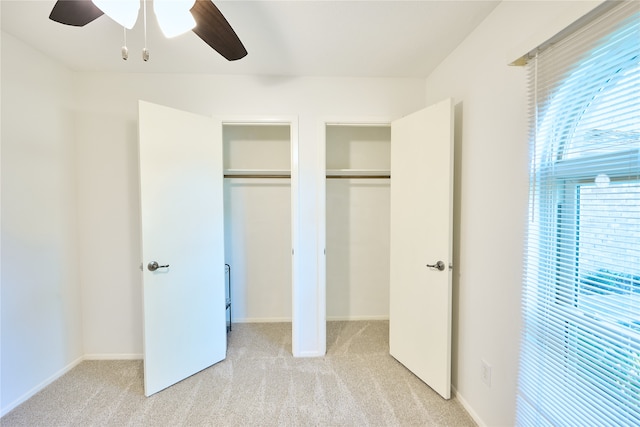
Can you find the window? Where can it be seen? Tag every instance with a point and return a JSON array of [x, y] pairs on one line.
[[580, 349]]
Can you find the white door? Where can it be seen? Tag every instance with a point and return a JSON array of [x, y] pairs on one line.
[[421, 235], [182, 231]]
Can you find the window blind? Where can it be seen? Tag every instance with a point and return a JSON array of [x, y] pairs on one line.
[[580, 346]]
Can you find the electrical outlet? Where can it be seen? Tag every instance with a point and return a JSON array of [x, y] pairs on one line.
[[485, 373]]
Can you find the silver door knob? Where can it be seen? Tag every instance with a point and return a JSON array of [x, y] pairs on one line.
[[438, 265], [153, 266]]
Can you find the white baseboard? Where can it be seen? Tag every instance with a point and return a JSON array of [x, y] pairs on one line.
[[114, 356], [468, 408], [29, 394]]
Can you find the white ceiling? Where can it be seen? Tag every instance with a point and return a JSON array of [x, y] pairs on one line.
[[392, 38]]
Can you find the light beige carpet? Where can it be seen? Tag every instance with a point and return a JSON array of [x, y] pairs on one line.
[[259, 384]]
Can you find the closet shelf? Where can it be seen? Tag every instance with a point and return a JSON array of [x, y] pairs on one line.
[[257, 173], [358, 173]]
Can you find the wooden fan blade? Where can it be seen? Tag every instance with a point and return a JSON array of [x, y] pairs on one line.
[[75, 12], [213, 28]]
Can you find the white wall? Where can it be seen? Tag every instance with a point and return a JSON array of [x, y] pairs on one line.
[[41, 312], [491, 190], [108, 180], [357, 240], [258, 248], [109, 233]]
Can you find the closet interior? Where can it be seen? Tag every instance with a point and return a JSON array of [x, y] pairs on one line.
[[357, 221], [257, 217]]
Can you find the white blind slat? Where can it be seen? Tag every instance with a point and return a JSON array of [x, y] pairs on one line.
[[580, 349]]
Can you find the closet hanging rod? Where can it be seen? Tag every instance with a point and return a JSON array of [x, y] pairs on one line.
[[358, 176], [257, 176], [256, 173]]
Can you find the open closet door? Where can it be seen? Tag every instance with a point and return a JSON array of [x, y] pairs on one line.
[[421, 244], [182, 245]]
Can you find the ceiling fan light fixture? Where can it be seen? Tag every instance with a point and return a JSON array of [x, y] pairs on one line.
[[174, 16], [124, 12]]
